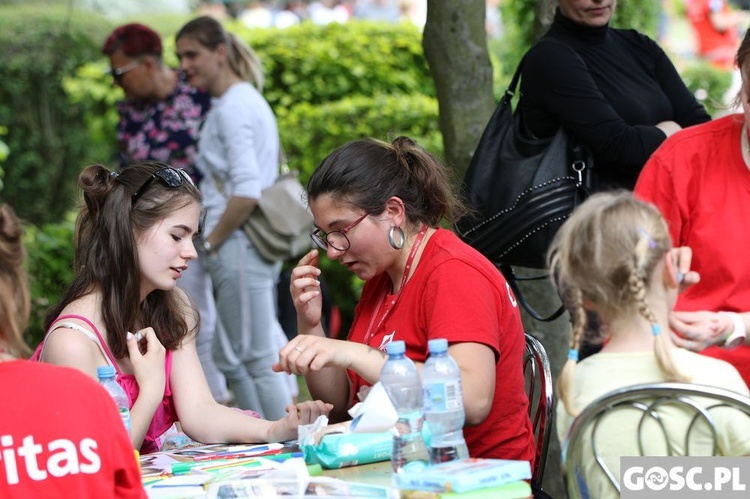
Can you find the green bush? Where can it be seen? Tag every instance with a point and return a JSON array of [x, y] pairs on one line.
[[50, 267], [90, 90], [4, 151], [309, 131], [314, 64], [41, 47], [709, 84]]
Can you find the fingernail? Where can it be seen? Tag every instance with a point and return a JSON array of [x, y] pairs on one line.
[[680, 277], [129, 335]]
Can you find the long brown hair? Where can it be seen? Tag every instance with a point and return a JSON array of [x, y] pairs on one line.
[[14, 287], [106, 255]]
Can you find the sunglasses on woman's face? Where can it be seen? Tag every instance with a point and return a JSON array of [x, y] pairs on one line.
[[170, 177], [117, 73]]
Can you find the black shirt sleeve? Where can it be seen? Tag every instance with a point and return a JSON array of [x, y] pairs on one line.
[[557, 89]]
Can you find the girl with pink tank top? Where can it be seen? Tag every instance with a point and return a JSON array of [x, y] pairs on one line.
[[135, 236], [165, 415]]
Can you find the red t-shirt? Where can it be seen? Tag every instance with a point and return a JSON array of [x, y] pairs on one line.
[[719, 47], [61, 436], [456, 294], [700, 183]]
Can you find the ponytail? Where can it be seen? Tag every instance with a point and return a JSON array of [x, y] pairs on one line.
[[244, 62]]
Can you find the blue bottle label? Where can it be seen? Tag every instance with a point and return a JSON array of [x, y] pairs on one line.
[[441, 396], [125, 415]]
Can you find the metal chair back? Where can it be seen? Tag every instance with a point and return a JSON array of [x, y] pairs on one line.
[[648, 412], [538, 378]]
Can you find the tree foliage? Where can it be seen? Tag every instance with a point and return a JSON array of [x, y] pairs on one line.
[[41, 47]]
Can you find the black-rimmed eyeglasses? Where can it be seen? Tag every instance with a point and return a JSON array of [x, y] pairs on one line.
[[336, 239], [170, 177], [117, 73]]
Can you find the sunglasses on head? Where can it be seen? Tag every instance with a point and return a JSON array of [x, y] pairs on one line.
[[170, 177]]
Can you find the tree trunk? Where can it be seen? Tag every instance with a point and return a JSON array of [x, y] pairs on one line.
[[455, 45]]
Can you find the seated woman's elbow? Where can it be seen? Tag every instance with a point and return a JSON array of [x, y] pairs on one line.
[[477, 410]]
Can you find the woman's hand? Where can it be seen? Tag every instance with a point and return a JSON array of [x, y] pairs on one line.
[[698, 330], [147, 355], [669, 127], [305, 354], [298, 414], [683, 257], [305, 289]]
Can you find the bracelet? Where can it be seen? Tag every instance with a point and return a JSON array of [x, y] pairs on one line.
[[739, 331]]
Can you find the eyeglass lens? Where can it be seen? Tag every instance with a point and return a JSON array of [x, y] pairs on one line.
[[337, 238]]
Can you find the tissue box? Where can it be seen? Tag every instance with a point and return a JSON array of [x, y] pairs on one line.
[[340, 450]]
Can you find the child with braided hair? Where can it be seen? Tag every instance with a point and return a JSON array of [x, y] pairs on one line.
[[614, 256]]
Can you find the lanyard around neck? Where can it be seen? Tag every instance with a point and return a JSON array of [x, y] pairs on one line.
[[395, 299]]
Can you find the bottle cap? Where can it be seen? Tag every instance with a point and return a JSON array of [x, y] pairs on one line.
[[182, 468], [438, 345], [105, 372], [395, 347]]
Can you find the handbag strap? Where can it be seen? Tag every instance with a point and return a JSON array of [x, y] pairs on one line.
[[283, 169], [513, 279]]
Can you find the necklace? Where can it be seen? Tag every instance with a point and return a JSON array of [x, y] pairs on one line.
[[745, 145], [395, 299]]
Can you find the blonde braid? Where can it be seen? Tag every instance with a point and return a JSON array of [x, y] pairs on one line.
[[637, 288], [565, 380]]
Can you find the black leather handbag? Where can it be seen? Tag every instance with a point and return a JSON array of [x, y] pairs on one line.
[[521, 189]]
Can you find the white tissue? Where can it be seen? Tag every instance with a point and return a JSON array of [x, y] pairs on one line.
[[375, 414]]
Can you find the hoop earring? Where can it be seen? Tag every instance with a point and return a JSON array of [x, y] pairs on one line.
[[391, 239]]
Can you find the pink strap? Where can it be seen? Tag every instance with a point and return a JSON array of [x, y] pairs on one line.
[[103, 344]]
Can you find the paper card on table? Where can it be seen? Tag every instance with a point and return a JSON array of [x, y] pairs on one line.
[[244, 451], [316, 487], [157, 464], [192, 453]]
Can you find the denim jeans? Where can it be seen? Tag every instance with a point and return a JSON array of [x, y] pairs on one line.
[[196, 283], [245, 347]]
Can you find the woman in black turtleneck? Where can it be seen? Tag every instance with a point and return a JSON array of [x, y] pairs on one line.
[[614, 89]]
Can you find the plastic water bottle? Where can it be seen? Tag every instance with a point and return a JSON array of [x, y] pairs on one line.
[[444, 404], [106, 376], [400, 379]]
